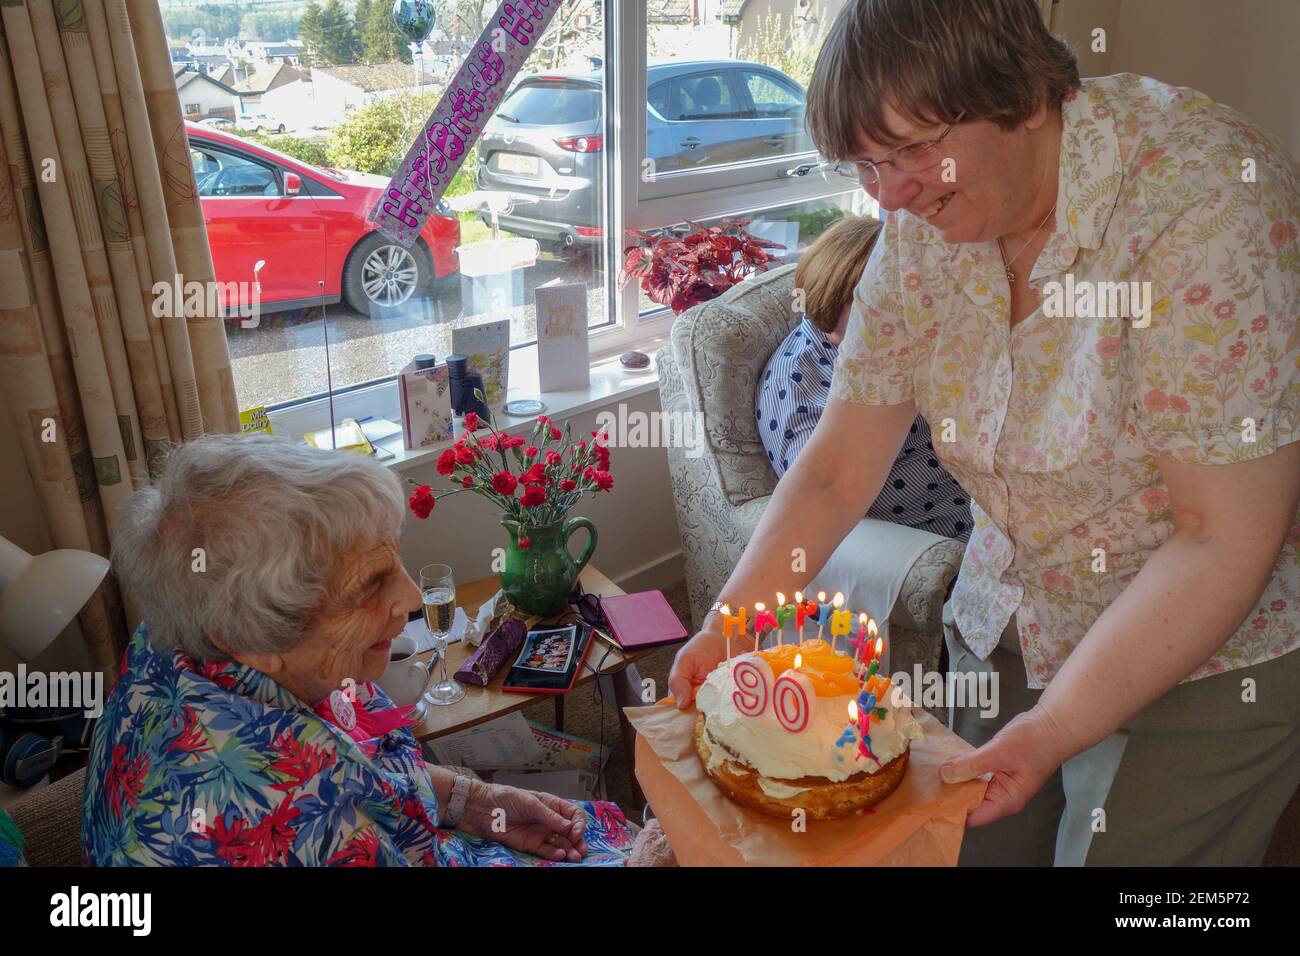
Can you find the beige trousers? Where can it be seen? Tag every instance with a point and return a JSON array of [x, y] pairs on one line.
[[1198, 778]]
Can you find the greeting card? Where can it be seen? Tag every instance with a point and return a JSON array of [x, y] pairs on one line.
[[562, 355]]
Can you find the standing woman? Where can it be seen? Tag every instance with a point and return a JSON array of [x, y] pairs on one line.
[[1131, 451]]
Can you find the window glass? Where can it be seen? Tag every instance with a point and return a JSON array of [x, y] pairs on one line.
[[772, 97], [691, 93], [224, 174], [332, 93]]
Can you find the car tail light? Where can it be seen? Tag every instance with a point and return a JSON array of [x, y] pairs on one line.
[[590, 231], [582, 144]]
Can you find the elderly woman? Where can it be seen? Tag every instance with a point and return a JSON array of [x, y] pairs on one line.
[[243, 728], [1132, 578]]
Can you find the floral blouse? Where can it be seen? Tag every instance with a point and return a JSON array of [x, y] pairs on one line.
[[213, 763], [1059, 420]]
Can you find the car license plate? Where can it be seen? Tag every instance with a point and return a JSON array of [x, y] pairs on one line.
[[518, 163]]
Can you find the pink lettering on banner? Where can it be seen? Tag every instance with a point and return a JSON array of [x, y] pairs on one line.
[[518, 23], [457, 121]]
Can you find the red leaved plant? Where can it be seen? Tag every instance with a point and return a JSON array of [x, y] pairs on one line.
[[682, 271]]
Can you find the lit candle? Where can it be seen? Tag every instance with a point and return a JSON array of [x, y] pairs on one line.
[[800, 612], [847, 736], [823, 613], [762, 618], [841, 623], [784, 612], [794, 699], [732, 622]]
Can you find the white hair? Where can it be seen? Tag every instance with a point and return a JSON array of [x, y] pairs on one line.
[[272, 518]]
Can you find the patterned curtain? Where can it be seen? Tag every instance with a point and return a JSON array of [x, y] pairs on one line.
[[97, 203]]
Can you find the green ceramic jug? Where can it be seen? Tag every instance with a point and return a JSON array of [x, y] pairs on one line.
[[538, 579]]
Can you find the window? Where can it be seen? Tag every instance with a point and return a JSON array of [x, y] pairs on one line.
[[228, 174], [629, 115]]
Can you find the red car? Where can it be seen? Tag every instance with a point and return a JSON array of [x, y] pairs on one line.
[[309, 225]]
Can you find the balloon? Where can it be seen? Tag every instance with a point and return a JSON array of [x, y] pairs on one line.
[[414, 19]]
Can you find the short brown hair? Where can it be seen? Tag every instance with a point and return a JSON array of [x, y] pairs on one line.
[[830, 269], [932, 60]]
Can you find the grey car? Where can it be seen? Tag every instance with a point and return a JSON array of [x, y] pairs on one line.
[[546, 140]]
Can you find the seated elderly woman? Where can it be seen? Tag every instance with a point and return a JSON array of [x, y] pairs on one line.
[[243, 728]]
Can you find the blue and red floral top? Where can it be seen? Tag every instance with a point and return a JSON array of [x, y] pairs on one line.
[[213, 763]]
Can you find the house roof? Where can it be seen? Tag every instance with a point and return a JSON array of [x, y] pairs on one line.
[[669, 11], [186, 77], [379, 76], [732, 9], [268, 76]]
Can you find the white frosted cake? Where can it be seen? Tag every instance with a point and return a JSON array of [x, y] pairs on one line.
[[777, 731]]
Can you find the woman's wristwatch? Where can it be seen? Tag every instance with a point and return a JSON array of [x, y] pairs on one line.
[[456, 804]]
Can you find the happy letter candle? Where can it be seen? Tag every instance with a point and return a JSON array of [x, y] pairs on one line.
[[732, 622], [762, 618]]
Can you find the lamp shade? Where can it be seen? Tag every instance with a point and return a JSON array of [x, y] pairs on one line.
[[41, 594]]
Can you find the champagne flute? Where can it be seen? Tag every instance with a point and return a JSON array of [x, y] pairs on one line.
[[438, 597]]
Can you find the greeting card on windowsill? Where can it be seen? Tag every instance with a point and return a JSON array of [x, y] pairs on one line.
[[487, 346], [562, 354], [425, 397]]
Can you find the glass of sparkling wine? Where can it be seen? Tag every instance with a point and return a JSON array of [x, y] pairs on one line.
[[438, 592]]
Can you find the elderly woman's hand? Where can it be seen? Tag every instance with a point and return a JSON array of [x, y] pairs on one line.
[[538, 823], [1021, 756]]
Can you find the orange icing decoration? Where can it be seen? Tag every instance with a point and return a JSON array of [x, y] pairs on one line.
[[830, 672]]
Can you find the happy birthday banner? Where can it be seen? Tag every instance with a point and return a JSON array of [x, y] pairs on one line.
[[459, 117]]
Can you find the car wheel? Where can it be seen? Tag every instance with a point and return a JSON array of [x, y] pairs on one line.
[[280, 128], [381, 275]]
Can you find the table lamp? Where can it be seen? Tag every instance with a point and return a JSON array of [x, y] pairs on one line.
[[40, 595]]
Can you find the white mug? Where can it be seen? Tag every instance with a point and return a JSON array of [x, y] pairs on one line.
[[406, 676]]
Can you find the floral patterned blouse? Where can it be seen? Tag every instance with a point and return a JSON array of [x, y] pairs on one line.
[[213, 763], [1059, 420]]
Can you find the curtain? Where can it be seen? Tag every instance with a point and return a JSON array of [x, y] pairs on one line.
[[97, 203], [1051, 10]]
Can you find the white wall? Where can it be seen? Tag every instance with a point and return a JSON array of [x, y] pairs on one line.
[[1240, 53]]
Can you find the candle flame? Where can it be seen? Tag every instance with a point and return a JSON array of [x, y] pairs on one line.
[[853, 711], [880, 645], [726, 609], [862, 618], [872, 630], [838, 600], [798, 597], [780, 598], [760, 606], [798, 661]]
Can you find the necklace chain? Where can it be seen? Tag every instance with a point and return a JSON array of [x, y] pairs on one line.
[[1011, 276]]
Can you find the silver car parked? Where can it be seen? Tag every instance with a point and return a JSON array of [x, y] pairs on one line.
[[546, 140]]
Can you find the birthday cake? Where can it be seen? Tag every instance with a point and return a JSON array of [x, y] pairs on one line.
[[803, 726]]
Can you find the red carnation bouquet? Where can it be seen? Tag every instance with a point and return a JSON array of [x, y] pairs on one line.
[[534, 481]]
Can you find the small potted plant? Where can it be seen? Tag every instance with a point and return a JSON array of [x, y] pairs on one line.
[[682, 271], [535, 482]]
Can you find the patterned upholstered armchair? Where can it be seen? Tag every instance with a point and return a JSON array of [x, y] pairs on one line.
[[717, 353]]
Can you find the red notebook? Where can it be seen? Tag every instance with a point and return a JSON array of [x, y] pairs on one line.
[[642, 620]]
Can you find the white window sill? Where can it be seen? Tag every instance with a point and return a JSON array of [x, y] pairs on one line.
[[610, 383]]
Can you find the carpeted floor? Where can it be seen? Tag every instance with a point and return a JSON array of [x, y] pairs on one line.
[[585, 716]]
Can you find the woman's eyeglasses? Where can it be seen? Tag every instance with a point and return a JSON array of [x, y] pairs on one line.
[[910, 159]]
